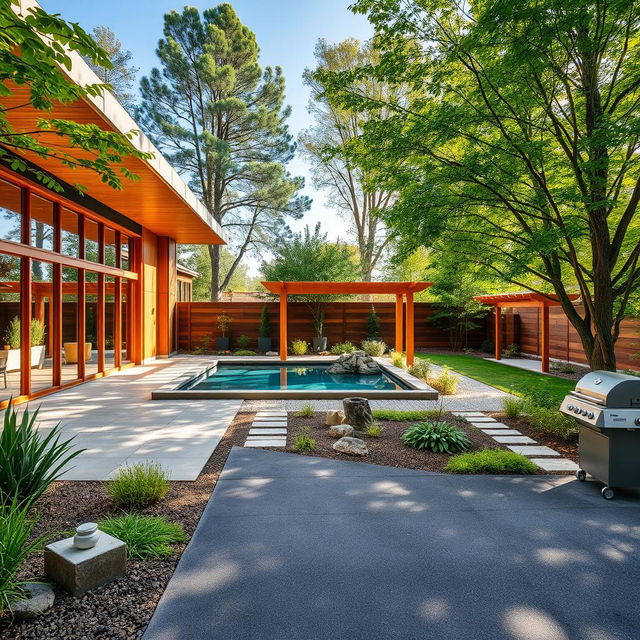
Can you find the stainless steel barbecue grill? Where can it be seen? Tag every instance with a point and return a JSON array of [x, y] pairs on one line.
[[606, 405]]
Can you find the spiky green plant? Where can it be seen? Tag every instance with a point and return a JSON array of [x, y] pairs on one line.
[[29, 461], [138, 485], [439, 437]]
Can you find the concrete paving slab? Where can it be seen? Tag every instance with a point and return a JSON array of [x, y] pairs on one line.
[[501, 432], [508, 558], [514, 439], [266, 442], [260, 423], [479, 419], [559, 464], [533, 450], [265, 431]]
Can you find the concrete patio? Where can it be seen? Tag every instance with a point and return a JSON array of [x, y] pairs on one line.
[[296, 547]]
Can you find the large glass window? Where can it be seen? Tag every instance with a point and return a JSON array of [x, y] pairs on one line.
[[125, 253], [91, 323], [41, 326], [91, 240], [41, 222], [109, 323], [9, 326], [72, 351], [109, 247], [10, 205], [70, 240], [126, 329]]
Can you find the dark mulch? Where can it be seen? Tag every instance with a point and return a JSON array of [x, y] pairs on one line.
[[388, 449], [567, 448], [122, 609]]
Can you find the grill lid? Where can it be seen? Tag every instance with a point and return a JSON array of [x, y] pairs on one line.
[[610, 389]]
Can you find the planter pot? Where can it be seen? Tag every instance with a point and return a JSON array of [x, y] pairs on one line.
[[264, 345], [37, 358], [319, 344], [223, 344], [71, 352]]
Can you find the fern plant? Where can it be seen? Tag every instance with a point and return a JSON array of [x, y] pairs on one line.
[[439, 437]]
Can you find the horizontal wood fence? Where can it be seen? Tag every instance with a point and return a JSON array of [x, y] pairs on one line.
[[347, 321]]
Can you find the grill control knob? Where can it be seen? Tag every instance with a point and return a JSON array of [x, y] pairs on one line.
[[590, 415], [583, 412], [638, 421], [577, 410], [570, 407]]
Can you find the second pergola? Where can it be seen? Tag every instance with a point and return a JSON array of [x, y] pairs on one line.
[[401, 290]]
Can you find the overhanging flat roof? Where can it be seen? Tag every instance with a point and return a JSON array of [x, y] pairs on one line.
[[344, 288], [161, 201], [522, 299]]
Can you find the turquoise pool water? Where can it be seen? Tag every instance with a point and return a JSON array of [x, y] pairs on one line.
[[290, 376]]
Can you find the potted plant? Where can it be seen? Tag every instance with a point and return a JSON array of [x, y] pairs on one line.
[[223, 342], [264, 332], [319, 341], [12, 339]]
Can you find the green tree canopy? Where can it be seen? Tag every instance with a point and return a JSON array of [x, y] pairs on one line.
[[515, 144], [221, 120], [33, 45]]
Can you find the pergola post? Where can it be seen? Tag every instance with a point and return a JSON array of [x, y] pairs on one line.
[[410, 329], [544, 337], [498, 332], [283, 324], [399, 322]]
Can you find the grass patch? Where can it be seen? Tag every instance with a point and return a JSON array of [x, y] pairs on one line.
[[490, 461], [306, 411], [405, 416], [138, 485], [520, 382], [146, 537]]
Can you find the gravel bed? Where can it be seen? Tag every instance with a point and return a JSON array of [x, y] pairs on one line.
[[123, 608], [387, 450]]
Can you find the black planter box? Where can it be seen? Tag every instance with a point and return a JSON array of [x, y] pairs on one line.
[[319, 344], [264, 345], [223, 344]]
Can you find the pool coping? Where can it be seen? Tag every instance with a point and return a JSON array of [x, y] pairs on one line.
[[418, 390]]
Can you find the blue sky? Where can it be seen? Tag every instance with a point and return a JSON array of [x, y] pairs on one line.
[[286, 30]]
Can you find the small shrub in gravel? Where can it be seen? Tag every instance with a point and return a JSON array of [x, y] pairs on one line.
[[421, 369], [342, 347], [373, 348], [512, 407], [138, 485], [306, 412], [397, 359], [439, 437], [299, 347], [374, 430], [303, 442], [490, 461], [146, 536], [446, 382]]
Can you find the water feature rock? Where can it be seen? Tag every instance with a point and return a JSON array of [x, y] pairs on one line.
[[351, 446], [357, 412], [334, 417], [41, 598], [357, 362], [341, 430]]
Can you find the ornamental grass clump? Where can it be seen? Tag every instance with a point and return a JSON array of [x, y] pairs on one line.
[[342, 347], [138, 485], [374, 348], [306, 411], [439, 437], [512, 407], [299, 347], [446, 382], [420, 369], [490, 461], [397, 359], [146, 536], [30, 462]]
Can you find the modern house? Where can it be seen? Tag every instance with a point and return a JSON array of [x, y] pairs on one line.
[[97, 271]]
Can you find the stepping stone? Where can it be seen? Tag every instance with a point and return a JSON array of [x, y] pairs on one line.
[[479, 419], [264, 442], [267, 432], [269, 424], [501, 432], [514, 439], [271, 416], [490, 425], [533, 450], [558, 464], [469, 413]]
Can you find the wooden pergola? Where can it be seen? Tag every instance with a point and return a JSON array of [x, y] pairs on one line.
[[523, 299], [399, 289]]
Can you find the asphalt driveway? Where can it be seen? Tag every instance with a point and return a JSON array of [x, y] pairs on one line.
[[303, 548]]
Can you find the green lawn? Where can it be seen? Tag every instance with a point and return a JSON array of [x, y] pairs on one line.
[[517, 381]]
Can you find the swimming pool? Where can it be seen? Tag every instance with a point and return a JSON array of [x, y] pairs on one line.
[[290, 376], [305, 378]]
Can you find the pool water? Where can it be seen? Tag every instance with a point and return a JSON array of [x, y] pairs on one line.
[[291, 377]]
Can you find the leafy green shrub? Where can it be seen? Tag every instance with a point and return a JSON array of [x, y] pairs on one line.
[[342, 347], [420, 369], [138, 485], [299, 347], [439, 437], [12, 334], [513, 351], [550, 421], [446, 382], [562, 367], [373, 325], [265, 323], [243, 341], [146, 536], [401, 416], [15, 545], [303, 442], [374, 430], [490, 461], [29, 463], [540, 398], [244, 352], [512, 407], [487, 346], [306, 411], [373, 348], [397, 359]]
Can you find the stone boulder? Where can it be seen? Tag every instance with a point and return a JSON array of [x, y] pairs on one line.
[[341, 430], [40, 599], [334, 417], [351, 446], [357, 413], [357, 362]]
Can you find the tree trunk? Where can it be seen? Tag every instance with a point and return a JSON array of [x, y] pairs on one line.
[[214, 256]]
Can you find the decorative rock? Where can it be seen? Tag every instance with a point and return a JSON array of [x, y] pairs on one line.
[[357, 412], [356, 362], [271, 353], [40, 599], [87, 536], [334, 417], [341, 430], [351, 446]]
